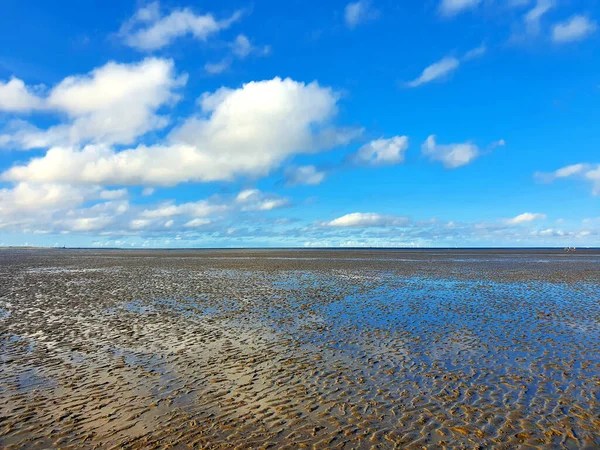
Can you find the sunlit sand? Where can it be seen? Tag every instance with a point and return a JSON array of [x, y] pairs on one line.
[[300, 349]]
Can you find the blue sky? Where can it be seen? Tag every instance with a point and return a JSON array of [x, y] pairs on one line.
[[300, 123]]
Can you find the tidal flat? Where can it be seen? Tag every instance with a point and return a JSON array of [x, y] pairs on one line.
[[290, 349]]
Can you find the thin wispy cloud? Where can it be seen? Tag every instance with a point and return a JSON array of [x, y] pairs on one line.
[[443, 68], [583, 171], [534, 16], [526, 218], [304, 175], [436, 71], [241, 48], [362, 220], [359, 12], [475, 53], [217, 67], [451, 8], [531, 24]]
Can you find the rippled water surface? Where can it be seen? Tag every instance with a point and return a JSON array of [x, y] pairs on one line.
[[300, 349]]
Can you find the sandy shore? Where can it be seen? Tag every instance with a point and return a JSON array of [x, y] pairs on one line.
[[299, 349]]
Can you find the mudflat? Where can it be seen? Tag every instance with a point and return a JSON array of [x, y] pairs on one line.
[[300, 349]]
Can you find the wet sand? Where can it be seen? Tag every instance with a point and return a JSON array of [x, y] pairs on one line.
[[299, 349]]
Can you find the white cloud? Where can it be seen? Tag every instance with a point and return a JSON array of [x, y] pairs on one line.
[[574, 29], [16, 97], [113, 194], [115, 103], [436, 71], [246, 195], [55, 208], [147, 191], [309, 175], [359, 12], [255, 200], [201, 208], [526, 217], [381, 152], [451, 155], [453, 7], [195, 223], [34, 208], [593, 175], [86, 224], [563, 172], [568, 171], [25, 197], [244, 131], [586, 172], [148, 30], [368, 220], [139, 224]]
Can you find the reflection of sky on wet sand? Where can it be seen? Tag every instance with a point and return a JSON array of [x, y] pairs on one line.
[[297, 349]]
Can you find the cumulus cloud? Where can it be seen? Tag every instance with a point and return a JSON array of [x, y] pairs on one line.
[[575, 29], [381, 152], [245, 131], [453, 7], [435, 71], [450, 155], [582, 171], [24, 197], [526, 217], [45, 208], [308, 175], [113, 104], [15, 96], [149, 30], [359, 12], [359, 220]]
